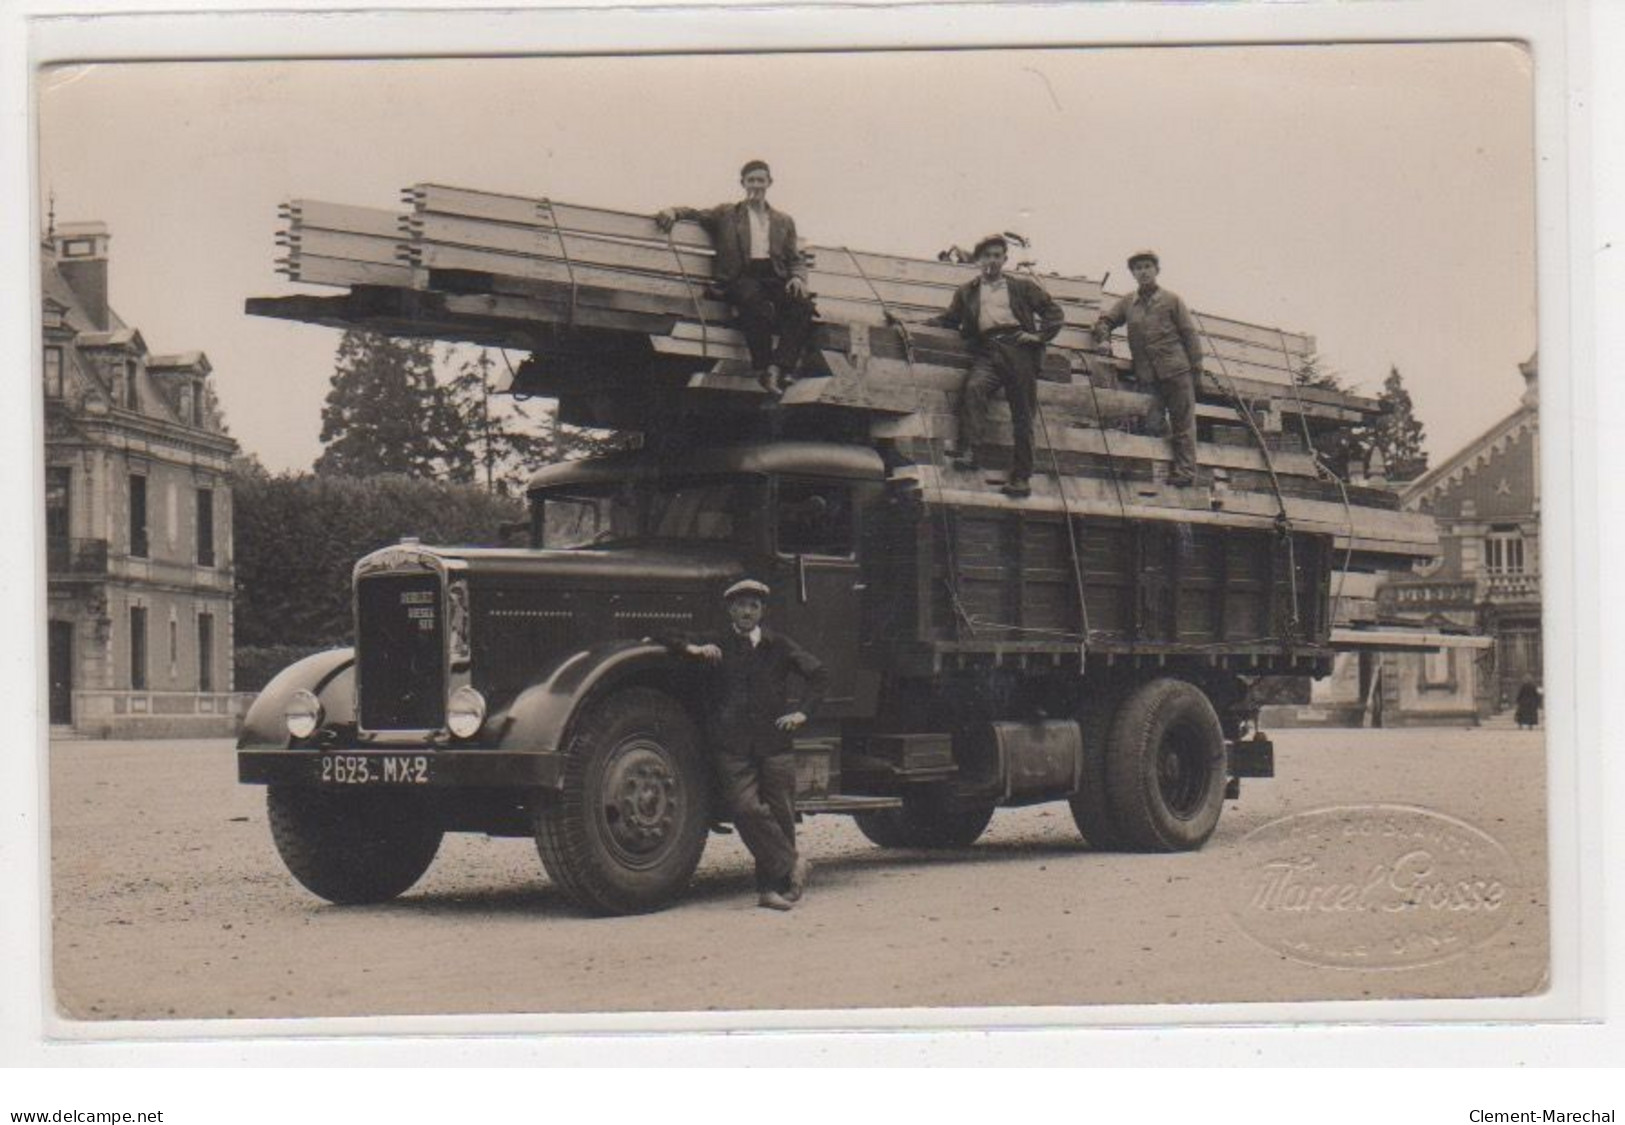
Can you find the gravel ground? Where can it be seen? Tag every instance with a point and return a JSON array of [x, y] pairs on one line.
[[170, 901]]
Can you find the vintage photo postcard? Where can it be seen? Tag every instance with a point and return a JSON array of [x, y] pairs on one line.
[[828, 536]]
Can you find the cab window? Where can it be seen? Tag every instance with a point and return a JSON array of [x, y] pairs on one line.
[[815, 518]]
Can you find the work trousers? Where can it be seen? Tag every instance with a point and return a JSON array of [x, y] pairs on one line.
[[761, 797], [1172, 414], [1002, 364], [766, 307]]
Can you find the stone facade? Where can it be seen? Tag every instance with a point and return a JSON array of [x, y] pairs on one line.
[[138, 516]]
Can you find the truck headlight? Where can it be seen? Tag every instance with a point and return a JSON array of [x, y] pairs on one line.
[[465, 713], [303, 714]]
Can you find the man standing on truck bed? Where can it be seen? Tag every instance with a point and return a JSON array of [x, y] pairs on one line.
[[760, 271], [1167, 353], [750, 724], [1007, 321]]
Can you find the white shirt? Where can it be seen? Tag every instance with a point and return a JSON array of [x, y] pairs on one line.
[[755, 636], [760, 246], [993, 311]]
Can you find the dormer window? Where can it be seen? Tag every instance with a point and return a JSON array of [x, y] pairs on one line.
[[53, 372], [196, 412], [132, 386], [188, 404], [78, 247]]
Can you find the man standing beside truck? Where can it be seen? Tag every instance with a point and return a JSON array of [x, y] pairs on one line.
[[1007, 321], [1167, 353], [759, 269], [750, 724]]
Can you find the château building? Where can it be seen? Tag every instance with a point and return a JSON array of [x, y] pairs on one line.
[[137, 516]]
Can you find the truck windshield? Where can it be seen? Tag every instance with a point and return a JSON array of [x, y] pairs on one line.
[[601, 514]]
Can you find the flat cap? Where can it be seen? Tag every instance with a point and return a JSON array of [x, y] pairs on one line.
[[746, 586], [990, 240], [754, 166], [1144, 256]]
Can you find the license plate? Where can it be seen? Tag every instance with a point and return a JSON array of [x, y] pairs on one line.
[[375, 769]]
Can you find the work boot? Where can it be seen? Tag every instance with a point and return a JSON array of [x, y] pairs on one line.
[[773, 900], [1017, 489], [766, 380], [799, 874]]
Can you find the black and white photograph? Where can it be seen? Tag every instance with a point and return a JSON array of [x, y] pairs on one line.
[[775, 531], [806, 533]]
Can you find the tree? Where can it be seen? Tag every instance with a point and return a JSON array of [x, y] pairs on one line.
[[507, 437], [1397, 433], [386, 413], [1341, 448]]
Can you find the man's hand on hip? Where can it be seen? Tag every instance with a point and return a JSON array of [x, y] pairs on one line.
[[710, 653], [796, 287], [795, 720]]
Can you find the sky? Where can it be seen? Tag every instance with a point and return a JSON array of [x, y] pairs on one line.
[[1379, 198]]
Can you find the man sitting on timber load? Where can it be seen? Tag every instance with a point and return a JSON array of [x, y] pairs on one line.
[[760, 271], [1007, 321], [1167, 354]]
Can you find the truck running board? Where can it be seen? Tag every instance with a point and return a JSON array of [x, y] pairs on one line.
[[839, 804]]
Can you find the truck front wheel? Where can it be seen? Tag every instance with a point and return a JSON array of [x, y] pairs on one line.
[[928, 819], [352, 848], [626, 833], [1165, 768]]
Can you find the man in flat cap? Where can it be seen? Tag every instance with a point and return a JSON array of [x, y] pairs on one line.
[[751, 724], [1167, 352], [1007, 320], [760, 271]]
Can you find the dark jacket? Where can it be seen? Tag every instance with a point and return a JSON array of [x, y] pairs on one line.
[[1032, 307], [750, 690], [729, 227]]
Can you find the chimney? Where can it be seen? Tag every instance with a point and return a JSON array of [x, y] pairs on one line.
[[1531, 377], [81, 257]]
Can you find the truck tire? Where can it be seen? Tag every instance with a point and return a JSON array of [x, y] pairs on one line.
[[352, 848], [625, 834], [1091, 806], [926, 820], [1165, 768]]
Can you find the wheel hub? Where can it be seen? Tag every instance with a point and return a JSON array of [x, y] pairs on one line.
[[642, 800]]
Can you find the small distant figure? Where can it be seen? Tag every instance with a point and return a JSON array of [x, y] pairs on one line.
[[1528, 706], [1167, 352], [1007, 322], [760, 271]]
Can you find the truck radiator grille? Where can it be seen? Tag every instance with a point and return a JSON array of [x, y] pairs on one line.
[[401, 652]]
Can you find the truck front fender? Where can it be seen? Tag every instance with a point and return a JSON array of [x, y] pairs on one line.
[[542, 716], [330, 676]]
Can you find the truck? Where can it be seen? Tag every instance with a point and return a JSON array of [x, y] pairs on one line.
[[1097, 643]]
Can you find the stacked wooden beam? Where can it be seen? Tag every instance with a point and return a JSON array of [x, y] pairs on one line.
[[605, 300]]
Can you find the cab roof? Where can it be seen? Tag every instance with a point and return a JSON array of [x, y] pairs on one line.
[[793, 458]]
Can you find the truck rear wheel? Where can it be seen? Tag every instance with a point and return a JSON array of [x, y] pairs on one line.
[[1165, 768], [1091, 806], [352, 848], [626, 833], [927, 820]]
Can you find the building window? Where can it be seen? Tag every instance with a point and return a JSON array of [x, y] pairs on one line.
[[138, 648], [186, 404], [58, 502], [138, 516], [132, 385], [53, 372], [1503, 552], [1439, 670], [205, 652], [78, 247], [196, 411], [174, 647], [205, 527]]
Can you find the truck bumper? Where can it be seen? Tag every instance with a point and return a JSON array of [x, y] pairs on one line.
[[1252, 757], [497, 769]]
